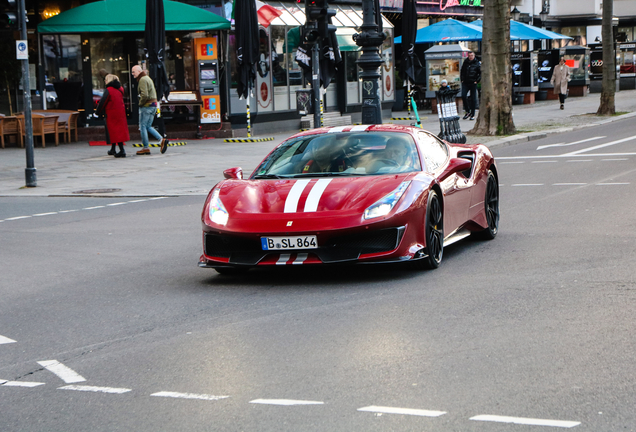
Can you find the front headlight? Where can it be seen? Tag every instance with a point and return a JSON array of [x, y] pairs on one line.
[[217, 211], [384, 206]]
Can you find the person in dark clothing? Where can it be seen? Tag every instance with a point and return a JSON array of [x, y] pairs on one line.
[[111, 106], [470, 76]]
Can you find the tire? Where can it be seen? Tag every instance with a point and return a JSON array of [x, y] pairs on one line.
[[434, 232], [491, 207]]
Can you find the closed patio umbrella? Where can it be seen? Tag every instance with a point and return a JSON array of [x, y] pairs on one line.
[[155, 38]]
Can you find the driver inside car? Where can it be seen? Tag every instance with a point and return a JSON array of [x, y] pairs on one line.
[[325, 157]]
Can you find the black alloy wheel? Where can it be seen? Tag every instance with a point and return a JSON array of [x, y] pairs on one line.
[[491, 206], [434, 231]]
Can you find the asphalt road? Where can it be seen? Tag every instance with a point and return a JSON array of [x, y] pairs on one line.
[[107, 323]]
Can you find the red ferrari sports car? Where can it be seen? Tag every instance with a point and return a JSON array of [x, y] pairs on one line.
[[352, 194]]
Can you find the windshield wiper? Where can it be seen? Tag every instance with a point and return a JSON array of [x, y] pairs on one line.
[[325, 174], [268, 176]]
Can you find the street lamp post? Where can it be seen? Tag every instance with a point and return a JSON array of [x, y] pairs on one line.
[[30, 172], [370, 40]]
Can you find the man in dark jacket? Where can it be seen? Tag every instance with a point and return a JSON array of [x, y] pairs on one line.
[[470, 76]]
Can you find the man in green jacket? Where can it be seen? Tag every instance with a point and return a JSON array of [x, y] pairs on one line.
[[147, 110]]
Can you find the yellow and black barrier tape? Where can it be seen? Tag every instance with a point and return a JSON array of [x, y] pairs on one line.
[[170, 144], [244, 140], [402, 118]]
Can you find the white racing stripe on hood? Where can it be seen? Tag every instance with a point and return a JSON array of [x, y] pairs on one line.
[[311, 205], [291, 203], [337, 129]]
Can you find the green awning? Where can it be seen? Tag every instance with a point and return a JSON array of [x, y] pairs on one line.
[[130, 16]]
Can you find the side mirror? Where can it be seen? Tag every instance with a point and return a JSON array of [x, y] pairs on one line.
[[233, 173], [456, 165]]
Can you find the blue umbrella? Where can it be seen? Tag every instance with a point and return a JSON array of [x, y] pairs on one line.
[[523, 31], [449, 30]]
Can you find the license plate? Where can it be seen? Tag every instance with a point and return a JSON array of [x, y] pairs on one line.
[[289, 243]]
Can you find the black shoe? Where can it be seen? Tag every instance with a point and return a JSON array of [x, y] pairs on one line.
[[120, 154], [111, 152], [472, 117], [466, 116]]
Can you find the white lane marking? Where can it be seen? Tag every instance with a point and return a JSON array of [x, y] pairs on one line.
[[44, 214], [20, 383], [406, 411], [116, 204], [157, 198], [2, 381], [615, 159], [68, 211], [285, 402], [5, 340], [137, 201], [311, 205], [528, 184], [188, 395], [611, 184], [65, 373], [548, 161], [93, 208], [579, 160], [85, 388], [300, 258], [569, 184], [337, 129], [291, 203], [17, 217], [283, 259], [611, 143], [569, 144], [526, 421], [501, 158]]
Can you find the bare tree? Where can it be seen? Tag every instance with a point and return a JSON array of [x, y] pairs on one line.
[[608, 90], [495, 108]]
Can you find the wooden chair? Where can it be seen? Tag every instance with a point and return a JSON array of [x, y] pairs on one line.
[[10, 125], [42, 126], [66, 123]]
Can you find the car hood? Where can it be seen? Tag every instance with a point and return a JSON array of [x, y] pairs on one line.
[[306, 196], [302, 204]]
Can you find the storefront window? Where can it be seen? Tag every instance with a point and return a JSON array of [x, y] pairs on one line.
[[279, 67], [625, 34], [62, 64], [108, 57]]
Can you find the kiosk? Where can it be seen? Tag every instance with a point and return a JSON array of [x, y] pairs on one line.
[[578, 60], [626, 60], [443, 62], [208, 77], [525, 75]]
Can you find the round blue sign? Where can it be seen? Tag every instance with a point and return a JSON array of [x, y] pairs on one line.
[[22, 46]]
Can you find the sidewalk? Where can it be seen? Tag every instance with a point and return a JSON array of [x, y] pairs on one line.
[[78, 169]]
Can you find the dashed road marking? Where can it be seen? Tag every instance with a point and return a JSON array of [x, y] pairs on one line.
[[285, 402], [95, 389], [611, 184], [528, 184], [86, 208], [188, 395], [526, 421], [65, 373], [579, 160], [5, 340], [569, 184], [20, 383], [405, 411]]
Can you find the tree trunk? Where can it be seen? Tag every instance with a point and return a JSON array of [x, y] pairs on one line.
[[495, 107], [607, 106]]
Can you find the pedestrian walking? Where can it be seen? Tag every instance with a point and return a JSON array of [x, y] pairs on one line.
[[560, 79], [470, 75], [147, 110], [111, 106]]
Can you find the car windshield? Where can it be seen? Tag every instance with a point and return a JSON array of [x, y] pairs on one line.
[[341, 154]]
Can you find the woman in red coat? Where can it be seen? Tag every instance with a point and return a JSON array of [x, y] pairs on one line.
[[112, 107]]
